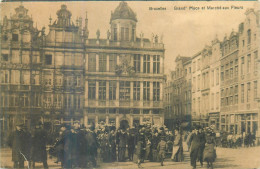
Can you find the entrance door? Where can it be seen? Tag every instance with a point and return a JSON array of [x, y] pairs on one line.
[[124, 124]]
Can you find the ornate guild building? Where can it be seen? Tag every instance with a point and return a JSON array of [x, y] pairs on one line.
[[65, 76]]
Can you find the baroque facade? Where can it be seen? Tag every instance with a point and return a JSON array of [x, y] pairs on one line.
[[64, 76], [178, 93]]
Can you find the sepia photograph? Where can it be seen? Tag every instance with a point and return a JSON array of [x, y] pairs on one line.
[[129, 84]]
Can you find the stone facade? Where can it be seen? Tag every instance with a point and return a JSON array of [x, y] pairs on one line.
[[178, 93], [225, 81], [64, 76]]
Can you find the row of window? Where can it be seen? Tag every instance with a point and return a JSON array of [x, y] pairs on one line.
[[23, 77], [209, 102], [19, 77], [122, 111], [124, 34], [36, 100], [102, 62], [75, 81], [179, 72], [229, 91], [15, 37], [230, 95], [24, 58], [20, 100], [124, 90]]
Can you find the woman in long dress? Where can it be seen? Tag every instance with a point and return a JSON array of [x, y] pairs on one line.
[[177, 150], [209, 153]]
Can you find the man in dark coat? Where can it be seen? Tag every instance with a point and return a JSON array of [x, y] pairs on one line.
[[195, 145], [27, 144], [67, 147], [92, 145], [122, 145], [77, 141], [59, 145], [16, 142], [202, 145], [39, 140], [112, 145], [131, 145], [154, 144], [83, 148]]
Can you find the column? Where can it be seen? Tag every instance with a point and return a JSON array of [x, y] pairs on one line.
[[118, 59], [251, 123], [117, 122], [141, 91], [71, 122], [96, 121], [97, 63], [61, 120], [131, 60], [117, 90], [141, 63], [131, 121], [151, 91], [107, 90], [108, 63], [151, 63], [141, 119], [97, 86], [162, 64], [86, 62], [131, 91], [161, 91], [118, 32], [107, 120], [85, 118], [86, 93]]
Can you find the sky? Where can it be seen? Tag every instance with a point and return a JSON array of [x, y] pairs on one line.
[[185, 32]]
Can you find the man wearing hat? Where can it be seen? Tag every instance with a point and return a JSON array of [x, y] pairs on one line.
[[195, 145], [16, 142], [39, 141], [202, 145]]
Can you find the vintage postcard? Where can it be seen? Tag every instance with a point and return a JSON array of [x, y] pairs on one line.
[[130, 84]]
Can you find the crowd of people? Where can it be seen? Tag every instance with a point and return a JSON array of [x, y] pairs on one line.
[[232, 140], [78, 146]]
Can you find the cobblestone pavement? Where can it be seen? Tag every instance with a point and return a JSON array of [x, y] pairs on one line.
[[242, 158]]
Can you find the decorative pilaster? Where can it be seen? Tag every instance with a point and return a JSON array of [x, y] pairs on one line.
[[97, 63], [141, 63]]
